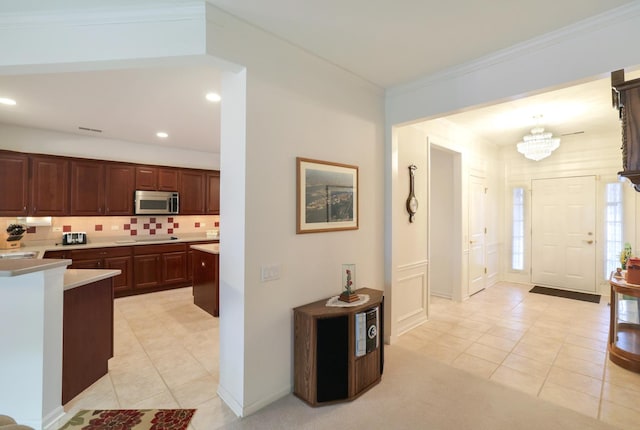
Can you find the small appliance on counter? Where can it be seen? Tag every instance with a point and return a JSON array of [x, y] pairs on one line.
[[74, 238]]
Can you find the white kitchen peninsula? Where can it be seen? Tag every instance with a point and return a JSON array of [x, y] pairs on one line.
[[31, 301], [33, 294]]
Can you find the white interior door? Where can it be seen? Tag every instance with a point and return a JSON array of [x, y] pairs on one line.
[[563, 233], [477, 232]]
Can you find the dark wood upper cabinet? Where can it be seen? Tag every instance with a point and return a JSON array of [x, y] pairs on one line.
[[14, 184], [152, 178], [49, 186], [192, 192], [167, 179], [119, 188], [87, 188], [33, 185], [146, 178], [213, 193]]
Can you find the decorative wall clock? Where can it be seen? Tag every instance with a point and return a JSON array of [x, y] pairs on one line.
[[412, 202]]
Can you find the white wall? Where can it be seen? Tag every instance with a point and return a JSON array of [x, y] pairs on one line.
[[442, 225], [408, 296], [296, 105], [479, 158], [32, 140]]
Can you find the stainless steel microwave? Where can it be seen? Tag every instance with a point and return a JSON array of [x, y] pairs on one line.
[[156, 202]]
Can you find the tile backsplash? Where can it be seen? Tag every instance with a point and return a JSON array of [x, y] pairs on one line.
[[120, 226]]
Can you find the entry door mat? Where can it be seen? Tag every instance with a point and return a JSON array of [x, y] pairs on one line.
[[585, 297], [130, 419]]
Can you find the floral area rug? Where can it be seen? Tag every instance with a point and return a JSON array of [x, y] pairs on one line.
[[130, 419]]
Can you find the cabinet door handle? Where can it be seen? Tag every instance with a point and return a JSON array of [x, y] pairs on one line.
[[203, 264]]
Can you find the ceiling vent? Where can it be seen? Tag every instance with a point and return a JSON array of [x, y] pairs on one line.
[[94, 130]]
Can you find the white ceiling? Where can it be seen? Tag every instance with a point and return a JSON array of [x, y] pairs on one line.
[[131, 105], [386, 43]]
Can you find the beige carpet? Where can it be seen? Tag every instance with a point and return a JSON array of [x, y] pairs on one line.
[[418, 393]]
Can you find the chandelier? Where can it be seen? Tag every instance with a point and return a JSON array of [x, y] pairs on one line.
[[538, 144]]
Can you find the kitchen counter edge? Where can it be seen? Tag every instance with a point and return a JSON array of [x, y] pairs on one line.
[[211, 248], [41, 249], [78, 277]]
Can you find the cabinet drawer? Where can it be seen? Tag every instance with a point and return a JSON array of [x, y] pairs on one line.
[[159, 249], [86, 254]]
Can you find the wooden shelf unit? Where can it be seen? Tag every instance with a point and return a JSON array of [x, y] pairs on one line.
[[326, 368], [624, 328]]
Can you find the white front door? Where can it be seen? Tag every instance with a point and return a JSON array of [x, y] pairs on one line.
[[563, 233], [477, 232]]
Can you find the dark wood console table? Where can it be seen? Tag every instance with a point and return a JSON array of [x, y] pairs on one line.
[[328, 367], [624, 329]]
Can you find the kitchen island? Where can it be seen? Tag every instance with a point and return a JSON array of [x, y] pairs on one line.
[[32, 298], [206, 285]]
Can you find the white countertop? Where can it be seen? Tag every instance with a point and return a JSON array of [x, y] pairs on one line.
[[79, 277], [41, 247], [72, 277], [211, 248], [19, 267]]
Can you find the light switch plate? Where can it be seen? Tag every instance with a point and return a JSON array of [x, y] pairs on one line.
[[270, 272]]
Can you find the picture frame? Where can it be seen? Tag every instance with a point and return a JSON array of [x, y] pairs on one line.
[[327, 196]]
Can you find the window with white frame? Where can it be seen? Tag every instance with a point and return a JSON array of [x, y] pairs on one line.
[[517, 230], [613, 227]]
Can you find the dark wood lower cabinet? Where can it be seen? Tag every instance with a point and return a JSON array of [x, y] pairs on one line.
[[160, 266], [124, 281], [145, 268], [148, 272], [87, 341], [174, 267], [205, 281], [328, 367]]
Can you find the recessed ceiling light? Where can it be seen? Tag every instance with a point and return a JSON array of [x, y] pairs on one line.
[[162, 135], [213, 97], [7, 101]]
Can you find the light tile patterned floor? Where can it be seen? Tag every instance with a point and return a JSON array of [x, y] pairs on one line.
[[166, 354], [549, 347]]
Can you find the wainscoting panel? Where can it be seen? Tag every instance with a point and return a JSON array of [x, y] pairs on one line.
[[493, 263], [411, 296]]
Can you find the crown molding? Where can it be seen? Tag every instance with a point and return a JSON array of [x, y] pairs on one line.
[[102, 16], [606, 19]]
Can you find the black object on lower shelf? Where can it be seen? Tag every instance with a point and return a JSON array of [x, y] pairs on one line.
[[332, 359], [585, 297]]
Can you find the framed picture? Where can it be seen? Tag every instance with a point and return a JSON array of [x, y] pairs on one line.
[[327, 196]]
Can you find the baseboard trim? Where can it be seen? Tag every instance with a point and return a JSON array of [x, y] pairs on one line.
[[243, 411], [50, 419]]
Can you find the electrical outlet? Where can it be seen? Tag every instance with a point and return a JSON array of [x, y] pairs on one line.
[[270, 272], [56, 229], [115, 227]]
